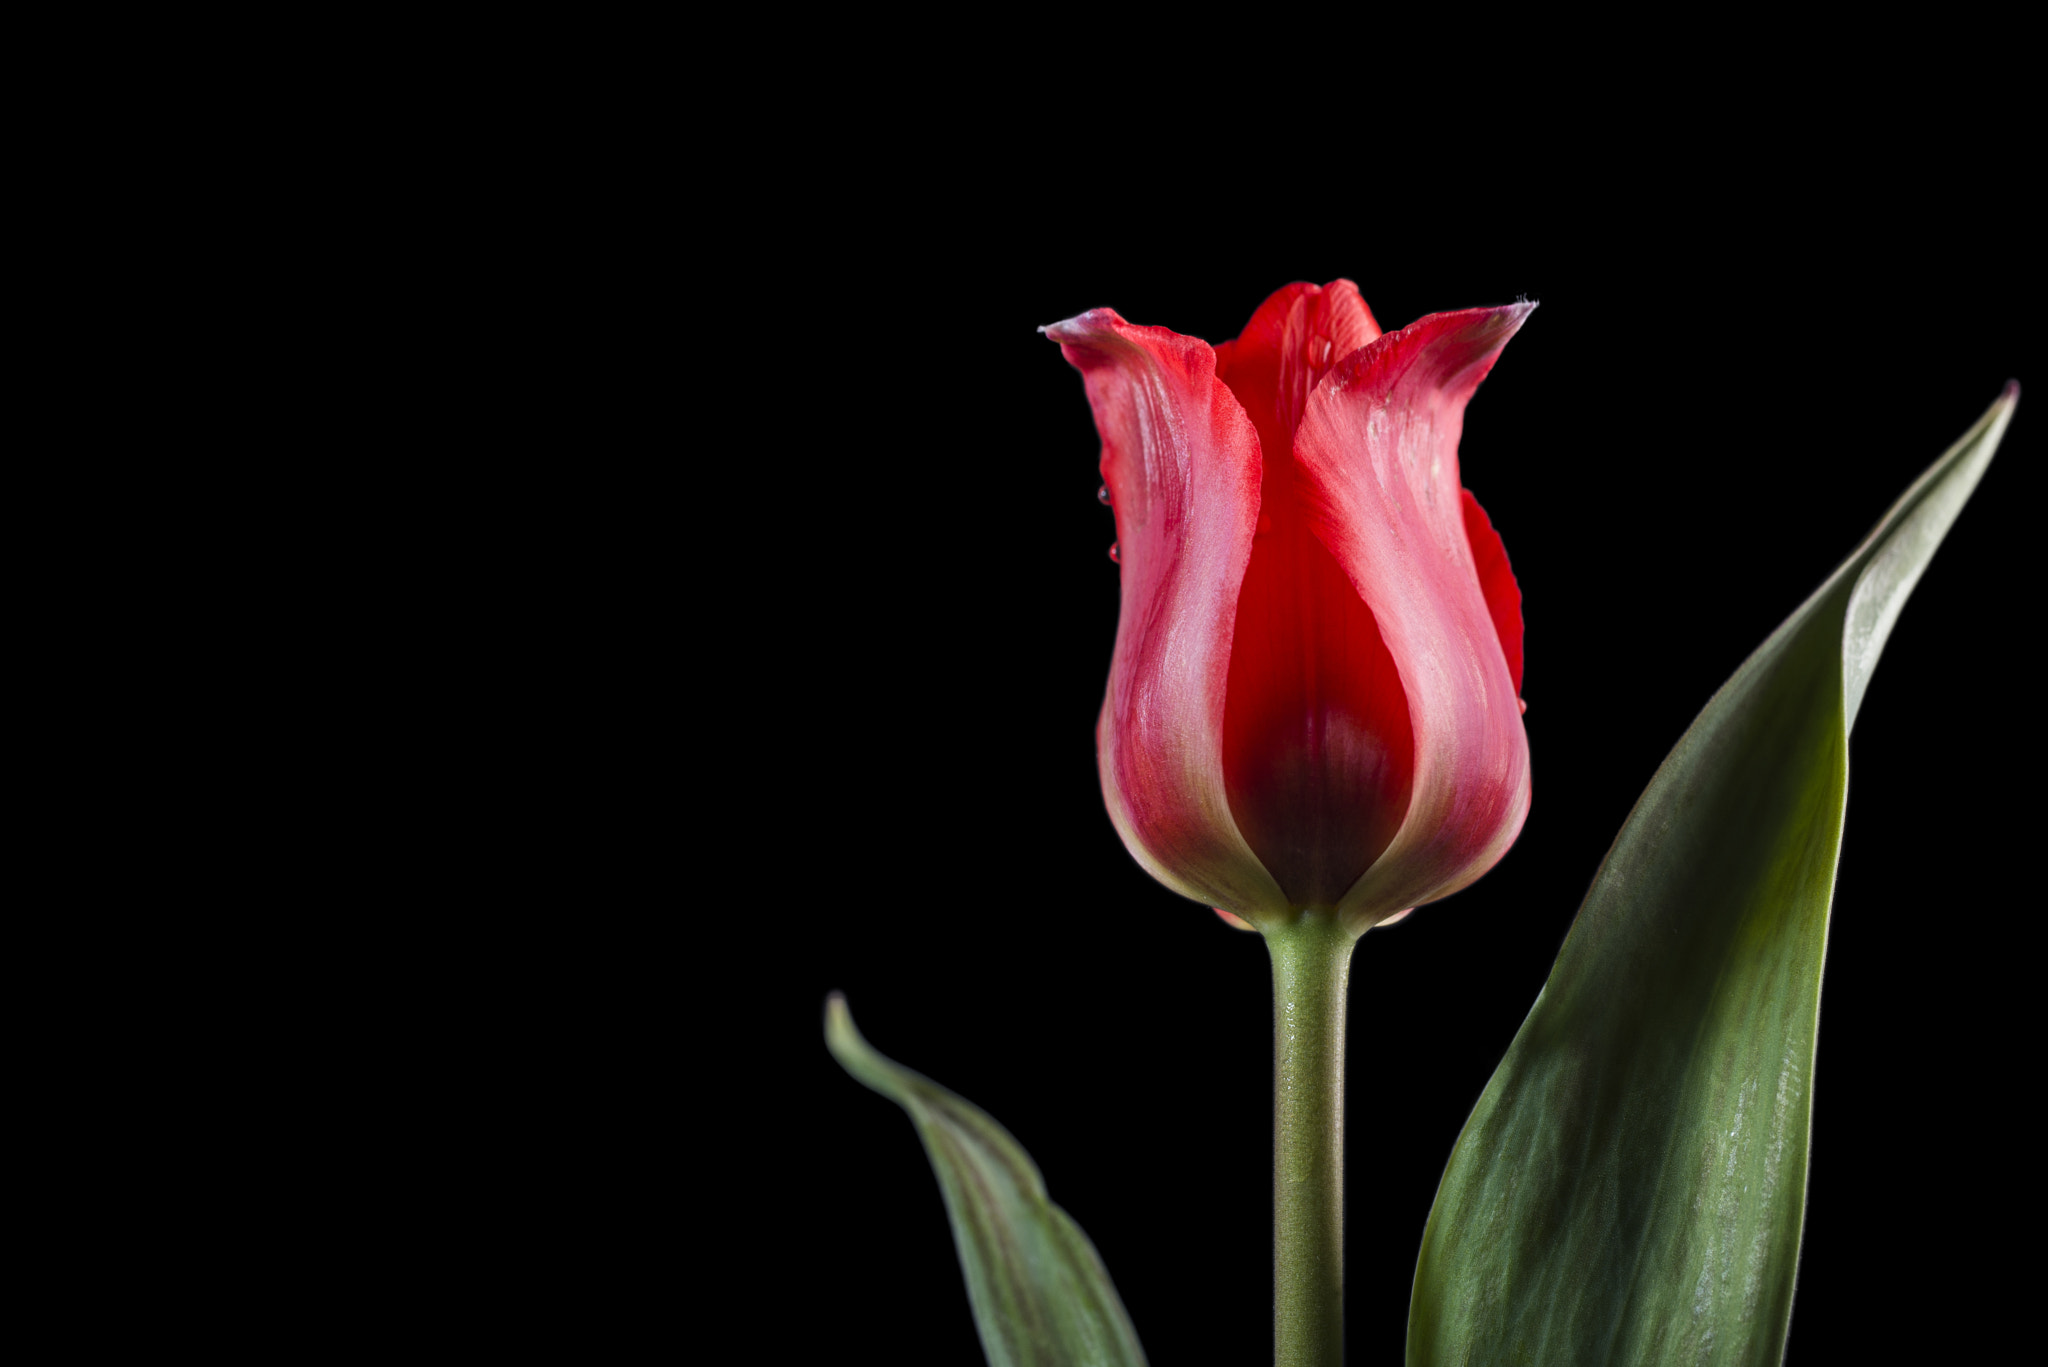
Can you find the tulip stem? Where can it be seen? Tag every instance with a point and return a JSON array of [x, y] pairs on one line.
[[1311, 970]]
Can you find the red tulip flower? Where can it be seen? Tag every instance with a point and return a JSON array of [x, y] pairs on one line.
[[1313, 704]]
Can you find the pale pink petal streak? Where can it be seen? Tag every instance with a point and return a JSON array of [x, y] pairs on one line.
[[1378, 453], [1182, 465]]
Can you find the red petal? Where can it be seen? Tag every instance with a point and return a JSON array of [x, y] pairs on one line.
[[1182, 465], [1317, 749], [1294, 339], [1497, 582], [1377, 451]]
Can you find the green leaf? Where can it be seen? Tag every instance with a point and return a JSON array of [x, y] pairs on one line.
[[1041, 1295], [1631, 1186]]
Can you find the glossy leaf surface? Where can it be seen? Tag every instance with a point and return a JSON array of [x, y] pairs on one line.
[[1631, 1186], [1040, 1293]]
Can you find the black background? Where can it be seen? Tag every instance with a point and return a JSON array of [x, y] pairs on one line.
[[1743, 353]]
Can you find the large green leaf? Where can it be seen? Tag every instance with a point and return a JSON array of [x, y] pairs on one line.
[[1041, 1295], [1631, 1186]]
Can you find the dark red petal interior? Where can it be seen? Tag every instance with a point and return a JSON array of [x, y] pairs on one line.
[[1497, 582], [1318, 753]]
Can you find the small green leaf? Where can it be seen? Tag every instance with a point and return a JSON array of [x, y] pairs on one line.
[[1041, 1295], [1631, 1186]]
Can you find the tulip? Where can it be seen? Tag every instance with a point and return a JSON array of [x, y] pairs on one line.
[[1313, 704]]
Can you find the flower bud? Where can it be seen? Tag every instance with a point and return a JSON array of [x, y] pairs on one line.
[[1313, 702]]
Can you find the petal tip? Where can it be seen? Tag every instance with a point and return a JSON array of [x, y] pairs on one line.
[[1082, 325], [1515, 314]]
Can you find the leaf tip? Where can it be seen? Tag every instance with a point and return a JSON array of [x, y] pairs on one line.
[[842, 1037]]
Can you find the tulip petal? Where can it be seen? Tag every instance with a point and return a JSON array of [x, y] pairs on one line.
[[1182, 465], [1497, 582], [1294, 339], [1317, 745], [1377, 452]]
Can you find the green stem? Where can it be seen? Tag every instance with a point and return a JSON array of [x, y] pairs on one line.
[[1311, 969]]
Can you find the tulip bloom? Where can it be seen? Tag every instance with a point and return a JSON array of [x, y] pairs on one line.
[[1313, 702]]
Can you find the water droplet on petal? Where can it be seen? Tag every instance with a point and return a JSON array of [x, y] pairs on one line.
[[1102, 494], [1113, 555], [1523, 703]]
